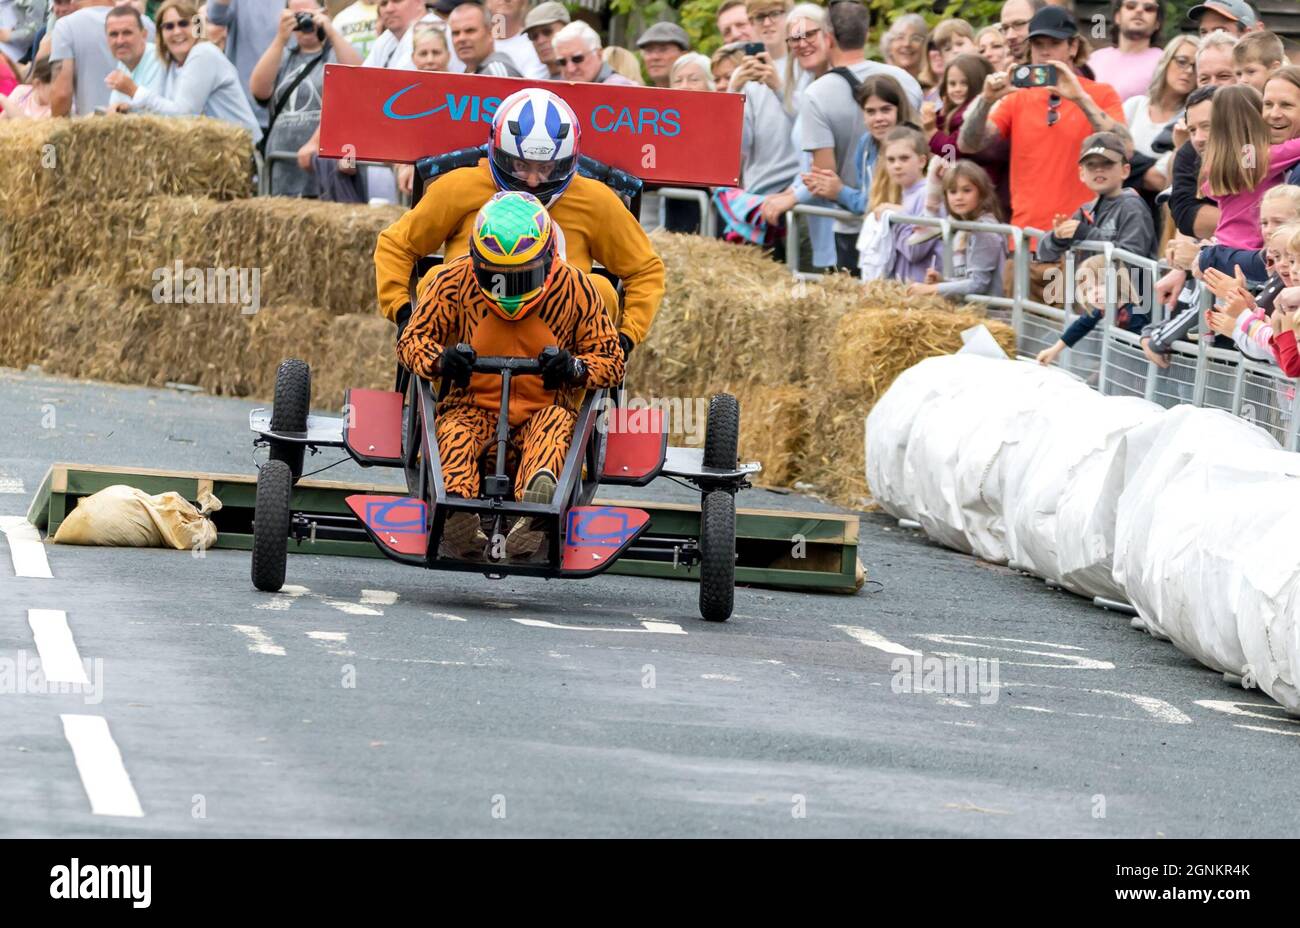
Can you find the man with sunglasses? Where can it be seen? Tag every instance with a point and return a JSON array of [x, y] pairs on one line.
[[577, 54], [80, 60], [1135, 30], [1045, 125]]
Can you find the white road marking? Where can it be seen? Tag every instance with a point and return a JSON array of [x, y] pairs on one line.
[[337, 638], [448, 616], [378, 597], [949, 701], [1157, 707], [25, 548], [351, 608], [284, 599], [720, 676], [11, 484], [500, 604], [103, 775], [1275, 731], [1271, 713], [660, 628], [259, 641], [874, 640], [60, 662], [1034, 709], [1071, 661]]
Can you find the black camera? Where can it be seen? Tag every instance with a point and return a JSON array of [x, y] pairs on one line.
[[304, 22]]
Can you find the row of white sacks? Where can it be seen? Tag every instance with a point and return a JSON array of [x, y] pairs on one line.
[[1192, 515]]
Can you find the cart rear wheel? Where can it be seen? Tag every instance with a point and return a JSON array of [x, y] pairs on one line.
[[289, 412], [271, 526], [717, 555], [722, 432]]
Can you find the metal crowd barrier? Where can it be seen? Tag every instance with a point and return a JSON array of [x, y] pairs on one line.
[[708, 219], [1111, 358]]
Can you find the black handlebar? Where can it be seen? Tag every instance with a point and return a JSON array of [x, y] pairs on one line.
[[515, 366]]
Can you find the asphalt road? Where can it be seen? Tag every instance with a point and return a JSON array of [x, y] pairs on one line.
[[383, 700]]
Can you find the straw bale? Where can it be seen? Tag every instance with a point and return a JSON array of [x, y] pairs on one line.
[[46, 163]]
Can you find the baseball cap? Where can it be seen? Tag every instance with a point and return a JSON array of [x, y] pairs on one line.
[[1106, 144], [544, 14], [1238, 10], [665, 32], [1055, 22]]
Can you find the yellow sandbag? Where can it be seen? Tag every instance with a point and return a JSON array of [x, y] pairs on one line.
[[122, 516]]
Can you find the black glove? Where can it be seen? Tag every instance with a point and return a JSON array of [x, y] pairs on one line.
[[457, 364], [402, 318], [559, 368], [627, 345]]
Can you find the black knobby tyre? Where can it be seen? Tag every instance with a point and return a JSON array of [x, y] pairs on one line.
[[289, 413], [717, 555], [271, 526], [722, 432]]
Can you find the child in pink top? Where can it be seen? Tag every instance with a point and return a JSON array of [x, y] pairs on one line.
[[30, 101], [1245, 165]]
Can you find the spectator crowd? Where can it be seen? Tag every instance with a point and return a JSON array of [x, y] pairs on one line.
[[1172, 141]]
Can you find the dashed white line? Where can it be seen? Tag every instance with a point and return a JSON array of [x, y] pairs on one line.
[[60, 662], [378, 597], [335, 638], [1275, 731], [259, 642], [874, 640], [25, 548], [448, 616], [351, 608], [11, 484], [647, 625], [284, 599], [103, 775]]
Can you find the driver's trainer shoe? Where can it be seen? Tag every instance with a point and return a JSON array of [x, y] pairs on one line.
[[527, 535], [462, 536]]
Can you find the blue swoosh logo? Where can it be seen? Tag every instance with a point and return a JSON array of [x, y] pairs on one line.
[[388, 106]]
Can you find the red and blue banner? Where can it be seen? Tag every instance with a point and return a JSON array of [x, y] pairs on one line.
[[678, 137]]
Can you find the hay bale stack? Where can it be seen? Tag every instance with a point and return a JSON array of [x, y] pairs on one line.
[[807, 360], [85, 328], [871, 345], [48, 163], [308, 252]]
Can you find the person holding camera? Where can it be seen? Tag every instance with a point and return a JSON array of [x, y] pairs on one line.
[[289, 79], [1045, 111]]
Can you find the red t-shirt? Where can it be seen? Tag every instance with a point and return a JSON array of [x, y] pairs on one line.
[[1045, 159]]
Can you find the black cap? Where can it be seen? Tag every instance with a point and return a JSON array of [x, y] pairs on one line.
[[1055, 22]]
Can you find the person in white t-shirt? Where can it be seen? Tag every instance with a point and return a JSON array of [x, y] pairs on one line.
[[358, 24], [1136, 27], [511, 40], [392, 49]]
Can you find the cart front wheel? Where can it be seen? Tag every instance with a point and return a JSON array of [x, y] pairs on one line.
[[271, 526], [289, 411], [717, 555]]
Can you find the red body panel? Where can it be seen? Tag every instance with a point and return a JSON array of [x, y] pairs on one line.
[[398, 523], [595, 535], [372, 425], [636, 443], [661, 136]]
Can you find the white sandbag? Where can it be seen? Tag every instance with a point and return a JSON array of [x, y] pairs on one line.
[[122, 516], [1085, 510], [1247, 565], [1148, 522], [889, 425]]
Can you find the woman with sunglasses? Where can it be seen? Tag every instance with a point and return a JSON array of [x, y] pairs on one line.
[[1151, 113], [1135, 53], [198, 79]]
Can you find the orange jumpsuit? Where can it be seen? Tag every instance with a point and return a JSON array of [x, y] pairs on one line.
[[452, 309]]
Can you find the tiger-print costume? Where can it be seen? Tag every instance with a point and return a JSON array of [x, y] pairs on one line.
[[452, 309]]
